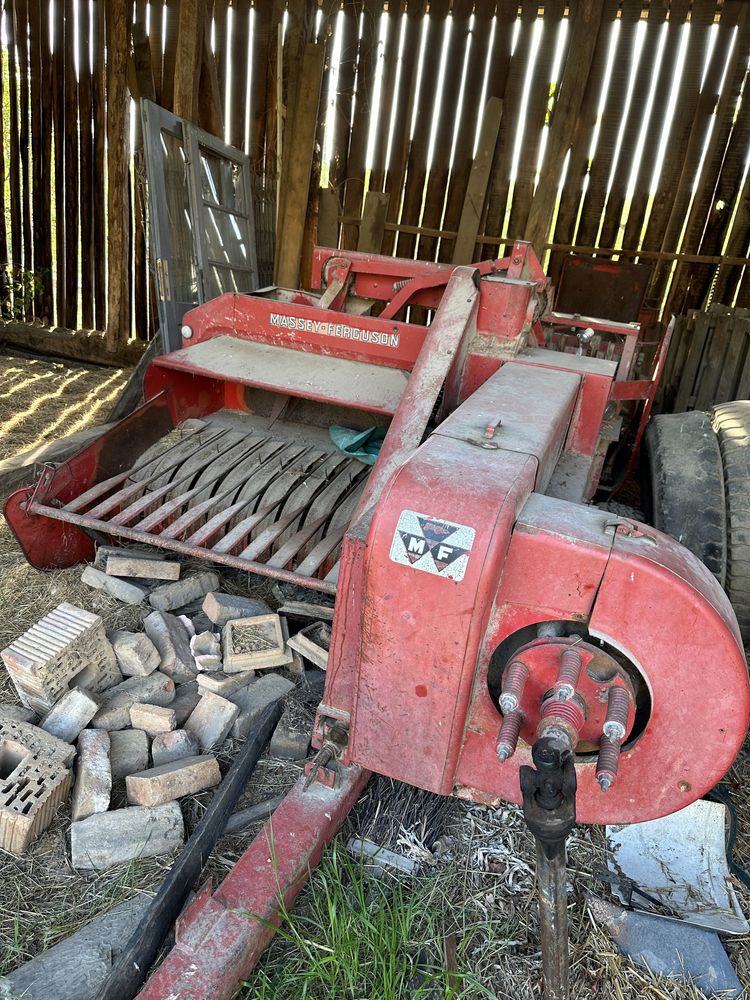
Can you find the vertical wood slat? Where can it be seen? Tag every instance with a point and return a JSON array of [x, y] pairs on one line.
[[735, 67], [724, 175], [652, 26], [394, 14], [40, 143], [240, 37], [437, 180], [86, 162], [416, 171], [98, 169], [156, 41], [344, 97], [639, 204], [512, 96], [71, 172], [575, 74], [596, 194], [685, 170], [464, 158], [169, 43], [58, 124], [263, 43], [117, 172], [581, 138], [402, 113], [16, 192], [5, 302], [476, 190], [355, 170], [536, 109], [22, 42]]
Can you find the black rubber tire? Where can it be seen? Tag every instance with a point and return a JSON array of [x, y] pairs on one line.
[[731, 422], [686, 484], [621, 510]]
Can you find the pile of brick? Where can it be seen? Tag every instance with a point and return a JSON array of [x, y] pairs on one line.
[[149, 709]]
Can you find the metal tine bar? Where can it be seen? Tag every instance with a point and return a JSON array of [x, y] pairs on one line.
[[125, 495], [223, 517], [333, 575], [267, 537], [128, 514], [168, 508], [321, 551], [245, 526], [246, 565], [99, 489], [334, 491], [193, 514], [281, 486], [284, 555]]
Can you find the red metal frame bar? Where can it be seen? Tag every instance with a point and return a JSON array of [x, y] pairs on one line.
[[221, 936]]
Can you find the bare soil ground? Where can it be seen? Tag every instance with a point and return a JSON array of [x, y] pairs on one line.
[[478, 894]]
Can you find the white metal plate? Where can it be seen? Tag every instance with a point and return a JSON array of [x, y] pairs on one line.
[[681, 861], [432, 544]]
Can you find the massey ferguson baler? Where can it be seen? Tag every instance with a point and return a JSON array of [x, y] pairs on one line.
[[488, 616]]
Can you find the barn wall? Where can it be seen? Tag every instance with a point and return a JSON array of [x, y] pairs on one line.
[[623, 131]]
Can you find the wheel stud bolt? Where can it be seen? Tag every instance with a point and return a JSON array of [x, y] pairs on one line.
[[615, 729], [513, 684]]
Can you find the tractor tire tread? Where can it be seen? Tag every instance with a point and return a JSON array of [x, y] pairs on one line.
[[687, 485]]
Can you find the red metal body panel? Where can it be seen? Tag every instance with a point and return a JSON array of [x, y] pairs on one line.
[[220, 937]]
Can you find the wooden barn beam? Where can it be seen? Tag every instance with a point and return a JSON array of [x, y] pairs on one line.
[[118, 13], [191, 20]]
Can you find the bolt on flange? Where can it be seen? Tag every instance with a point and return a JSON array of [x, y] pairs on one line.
[[615, 729]]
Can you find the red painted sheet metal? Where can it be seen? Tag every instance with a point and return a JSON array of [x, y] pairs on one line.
[[423, 621], [521, 408], [288, 371], [638, 594], [56, 545], [449, 334], [307, 328], [220, 937]]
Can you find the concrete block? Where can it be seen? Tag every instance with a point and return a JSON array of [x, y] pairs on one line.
[[128, 752], [66, 648], [222, 608], [172, 641], [18, 713], [168, 747], [212, 720], [76, 967], [253, 699], [112, 838], [93, 786], [136, 654], [152, 719], [206, 649], [171, 781], [71, 714], [36, 780], [254, 644], [186, 698], [147, 569], [103, 553], [190, 588], [121, 590], [291, 738], [218, 682], [156, 689]]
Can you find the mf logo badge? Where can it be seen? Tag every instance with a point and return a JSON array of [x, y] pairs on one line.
[[432, 545]]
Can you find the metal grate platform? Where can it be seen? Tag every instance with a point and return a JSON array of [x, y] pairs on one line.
[[266, 501]]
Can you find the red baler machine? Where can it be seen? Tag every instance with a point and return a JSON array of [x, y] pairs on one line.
[[484, 605]]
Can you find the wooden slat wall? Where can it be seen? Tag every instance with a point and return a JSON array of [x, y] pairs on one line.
[[54, 232]]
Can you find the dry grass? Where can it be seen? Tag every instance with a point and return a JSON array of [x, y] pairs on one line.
[[481, 889]]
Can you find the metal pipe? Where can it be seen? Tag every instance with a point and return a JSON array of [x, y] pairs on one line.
[[551, 875]]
